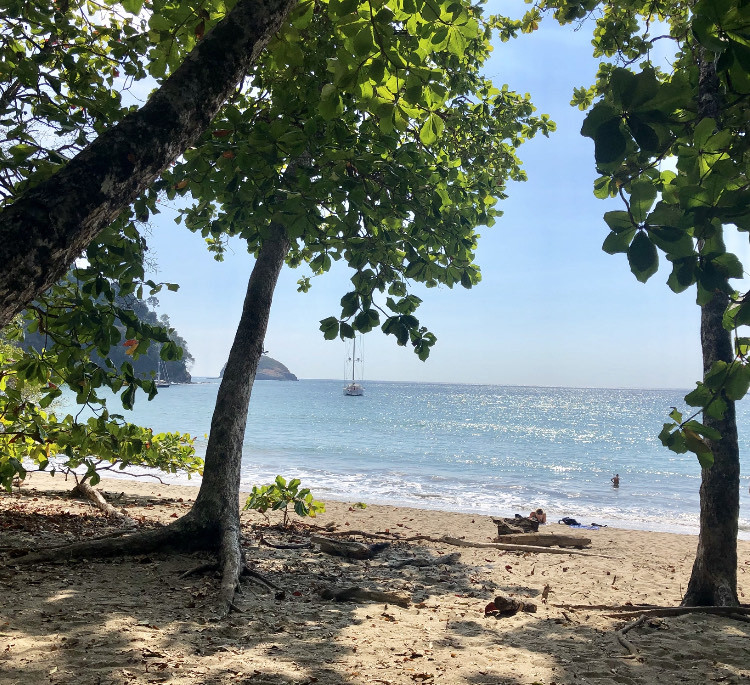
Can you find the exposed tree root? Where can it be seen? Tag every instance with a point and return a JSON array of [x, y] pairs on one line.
[[85, 491], [247, 571], [232, 559], [184, 535], [282, 545], [201, 568]]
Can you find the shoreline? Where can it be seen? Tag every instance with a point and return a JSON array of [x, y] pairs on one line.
[[320, 494], [149, 618]]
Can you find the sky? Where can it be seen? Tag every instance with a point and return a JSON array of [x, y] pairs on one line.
[[552, 308]]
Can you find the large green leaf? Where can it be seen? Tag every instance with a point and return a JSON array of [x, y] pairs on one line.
[[643, 257]]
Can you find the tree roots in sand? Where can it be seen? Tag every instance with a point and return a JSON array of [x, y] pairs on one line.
[[184, 535]]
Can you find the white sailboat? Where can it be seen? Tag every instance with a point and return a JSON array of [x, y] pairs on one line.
[[354, 389], [162, 379]]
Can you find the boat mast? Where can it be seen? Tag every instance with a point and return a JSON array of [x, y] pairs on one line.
[[354, 355]]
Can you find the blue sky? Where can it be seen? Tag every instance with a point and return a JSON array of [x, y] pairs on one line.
[[552, 308]]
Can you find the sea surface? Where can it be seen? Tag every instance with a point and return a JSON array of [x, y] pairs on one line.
[[482, 449]]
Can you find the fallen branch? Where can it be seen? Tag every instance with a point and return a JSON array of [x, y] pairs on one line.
[[608, 607], [680, 611], [447, 560], [85, 491], [348, 549], [359, 594], [544, 540], [620, 635], [510, 548]]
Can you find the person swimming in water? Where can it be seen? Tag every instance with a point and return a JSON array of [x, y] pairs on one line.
[[615, 480]]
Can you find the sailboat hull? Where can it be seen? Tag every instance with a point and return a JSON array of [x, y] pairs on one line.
[[354, 390]]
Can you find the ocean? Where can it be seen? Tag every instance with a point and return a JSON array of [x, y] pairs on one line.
[[482, 449]]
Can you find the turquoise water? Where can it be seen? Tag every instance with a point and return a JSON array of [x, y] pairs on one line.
[[485, 449]]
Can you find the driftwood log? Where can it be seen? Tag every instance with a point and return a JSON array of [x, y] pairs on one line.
[[535, 549], [545, 540], [347, 548], [360, 594], [508, 526]]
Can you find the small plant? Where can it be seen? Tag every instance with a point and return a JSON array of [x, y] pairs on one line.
[[359, 505], [279, 495]]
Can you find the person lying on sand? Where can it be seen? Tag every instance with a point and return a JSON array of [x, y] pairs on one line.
[[538, 515]]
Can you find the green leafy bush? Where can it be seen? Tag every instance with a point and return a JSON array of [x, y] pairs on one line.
[[279, 495]]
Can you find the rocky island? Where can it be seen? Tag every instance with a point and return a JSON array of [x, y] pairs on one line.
[[270, 370]]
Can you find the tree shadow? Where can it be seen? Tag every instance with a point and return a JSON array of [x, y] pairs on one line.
[[138, 620]]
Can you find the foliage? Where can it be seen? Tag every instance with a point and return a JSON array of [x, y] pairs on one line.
[[644, 117], [279, 495], [366, 130], [400, 149]]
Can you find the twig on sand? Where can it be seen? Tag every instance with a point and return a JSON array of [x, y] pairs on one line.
[[620, 635]]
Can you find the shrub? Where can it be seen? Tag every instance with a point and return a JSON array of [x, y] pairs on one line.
[[279, 495]]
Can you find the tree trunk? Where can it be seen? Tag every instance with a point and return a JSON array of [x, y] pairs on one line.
[[213, 523], [217, 504], [49, 226], [713, 580]]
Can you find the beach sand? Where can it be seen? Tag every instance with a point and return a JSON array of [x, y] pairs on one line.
[[137, 620]]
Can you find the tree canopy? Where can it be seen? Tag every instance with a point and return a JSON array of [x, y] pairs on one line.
[[669, 122]]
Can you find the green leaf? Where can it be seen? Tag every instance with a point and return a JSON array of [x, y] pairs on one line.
[[330, 328], [642, 196], [738, 382], [431, 129], [619, 221], [643, 257], [618, 242], [610, 143], [132, 6]]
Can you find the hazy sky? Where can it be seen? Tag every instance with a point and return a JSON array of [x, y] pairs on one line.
[[552, 308]]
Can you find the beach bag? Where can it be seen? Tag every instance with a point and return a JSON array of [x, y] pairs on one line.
[[569, 521]]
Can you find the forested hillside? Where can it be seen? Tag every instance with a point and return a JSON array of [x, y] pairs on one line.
[[144, 365]]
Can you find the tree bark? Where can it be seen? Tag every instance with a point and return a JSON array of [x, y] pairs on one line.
[[713, 580], [217, 504], [49, 226]]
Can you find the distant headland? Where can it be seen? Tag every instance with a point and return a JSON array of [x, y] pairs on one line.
[[270, 370]]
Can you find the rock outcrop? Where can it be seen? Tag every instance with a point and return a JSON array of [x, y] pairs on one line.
[[271, 370]]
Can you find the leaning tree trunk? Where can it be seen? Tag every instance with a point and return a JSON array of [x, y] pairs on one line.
[[213, 523], [48, 227], [216, 509], [713, 580]]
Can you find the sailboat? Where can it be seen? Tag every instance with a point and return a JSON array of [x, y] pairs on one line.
[[162, 380], [354, 389]]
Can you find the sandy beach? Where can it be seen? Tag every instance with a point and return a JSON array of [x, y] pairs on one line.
[[140, 620]]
